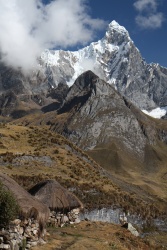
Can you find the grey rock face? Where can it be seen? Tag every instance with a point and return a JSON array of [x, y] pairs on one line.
[[113, 131], [99, 116]]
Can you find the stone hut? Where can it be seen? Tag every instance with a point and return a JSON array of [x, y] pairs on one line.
[[30, 207], [33, 215], [64, 206]]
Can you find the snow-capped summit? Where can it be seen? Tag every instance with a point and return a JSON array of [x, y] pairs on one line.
[[115, 59], [115, 26], [116, 34], [97, 56]]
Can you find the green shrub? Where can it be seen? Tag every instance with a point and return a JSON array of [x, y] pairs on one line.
[[9, 207]]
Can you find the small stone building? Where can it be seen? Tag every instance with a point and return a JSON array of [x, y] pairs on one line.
[[33, 216], [64, 206]]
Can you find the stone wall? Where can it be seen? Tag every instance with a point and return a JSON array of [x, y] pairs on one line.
[[25, 234], [59, 219]]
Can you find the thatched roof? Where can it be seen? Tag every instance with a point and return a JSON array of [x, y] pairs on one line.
[[29, 205], [56, 197]]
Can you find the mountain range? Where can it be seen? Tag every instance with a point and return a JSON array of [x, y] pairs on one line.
[[114, 59]]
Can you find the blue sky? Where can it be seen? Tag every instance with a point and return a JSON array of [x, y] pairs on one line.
[[152, 42]]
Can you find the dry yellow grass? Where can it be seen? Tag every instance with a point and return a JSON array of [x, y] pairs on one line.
[[31, 154], [36, 152], [94, 236]]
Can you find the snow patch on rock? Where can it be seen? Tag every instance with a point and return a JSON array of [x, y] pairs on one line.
[[156, 113]]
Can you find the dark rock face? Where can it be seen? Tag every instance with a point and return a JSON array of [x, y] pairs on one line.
[[8, 102], [99, 115], [108, 126], [59, 93], [11, 80], [144, 84]]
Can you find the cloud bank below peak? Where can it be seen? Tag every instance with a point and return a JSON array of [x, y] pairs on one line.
[[29, 27]]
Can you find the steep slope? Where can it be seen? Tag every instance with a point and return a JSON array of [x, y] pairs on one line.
[[100, 116], [96, 117], [95, 114], [46, 155]]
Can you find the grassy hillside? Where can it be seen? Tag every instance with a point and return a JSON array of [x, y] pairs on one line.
[[32, 154]]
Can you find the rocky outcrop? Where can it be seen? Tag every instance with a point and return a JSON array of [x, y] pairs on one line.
[[108, 126], [99, 115], [124, 223], [21, 95]]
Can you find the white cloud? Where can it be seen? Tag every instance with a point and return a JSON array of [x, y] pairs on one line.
[[152, 21], [148, 17], [89, 64], [29, 27], [144, 5]]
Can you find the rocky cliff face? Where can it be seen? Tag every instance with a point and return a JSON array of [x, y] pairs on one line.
[[99, 120], [98, 115]]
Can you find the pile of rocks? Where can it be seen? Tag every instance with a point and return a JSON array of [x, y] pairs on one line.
[[21, 234], [124, 223], [59, 219]]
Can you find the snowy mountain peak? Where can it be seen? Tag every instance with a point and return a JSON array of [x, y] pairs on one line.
[[114, 59], [106, 58], [115, 26], [116, 34]]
